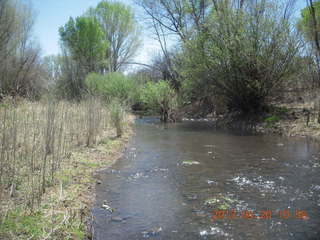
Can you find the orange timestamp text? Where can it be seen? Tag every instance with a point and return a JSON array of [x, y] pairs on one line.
[[264, 214]]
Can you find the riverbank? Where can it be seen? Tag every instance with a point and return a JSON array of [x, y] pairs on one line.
[[292, 120], [283, 119], [64, 208]]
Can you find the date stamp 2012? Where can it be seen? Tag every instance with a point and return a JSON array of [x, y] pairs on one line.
[[264, 214]]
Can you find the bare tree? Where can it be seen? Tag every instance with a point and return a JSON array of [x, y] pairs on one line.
[[177, 20], [19, 54]]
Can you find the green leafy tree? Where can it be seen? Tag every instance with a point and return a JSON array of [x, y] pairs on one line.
[[241, 54], [120, 30], [84, 39], [306, 22], [83, 49]]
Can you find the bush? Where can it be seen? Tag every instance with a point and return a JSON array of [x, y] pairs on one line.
[[112, 86], [160, 98]]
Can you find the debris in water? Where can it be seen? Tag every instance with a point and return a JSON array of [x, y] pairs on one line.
[[280, 144], [107, 207], [190, 162], [211, 182], [221, 202]]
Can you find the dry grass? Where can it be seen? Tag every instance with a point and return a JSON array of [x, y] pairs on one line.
[[301, 116], [48, 152]]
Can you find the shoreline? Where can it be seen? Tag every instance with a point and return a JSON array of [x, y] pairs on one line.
[[116, 154], [291, 124]]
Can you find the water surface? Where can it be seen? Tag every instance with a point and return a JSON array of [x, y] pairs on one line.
[[172, 178]]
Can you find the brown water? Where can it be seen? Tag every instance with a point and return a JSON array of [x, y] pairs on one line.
[[156, 196]]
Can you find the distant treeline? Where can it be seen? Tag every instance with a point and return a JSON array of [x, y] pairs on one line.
[[222, 55]]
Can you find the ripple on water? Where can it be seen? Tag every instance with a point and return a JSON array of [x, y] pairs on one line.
[[315, 187], [137, 176], [213, 231], [260, 183]]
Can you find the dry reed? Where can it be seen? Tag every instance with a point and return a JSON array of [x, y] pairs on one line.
[[36, 139]]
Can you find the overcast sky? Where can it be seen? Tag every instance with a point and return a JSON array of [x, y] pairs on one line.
[[52, 14]]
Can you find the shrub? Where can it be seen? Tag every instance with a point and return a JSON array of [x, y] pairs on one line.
[[111, 86], [160, 98]]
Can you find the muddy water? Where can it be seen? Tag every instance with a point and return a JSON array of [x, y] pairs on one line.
[[172, 178]]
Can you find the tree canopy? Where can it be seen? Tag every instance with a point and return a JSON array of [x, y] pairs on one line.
[[306, 22], [84, 39], [120, 30], [103, 40]]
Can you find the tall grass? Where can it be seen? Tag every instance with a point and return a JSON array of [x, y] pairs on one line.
[[36, 139], [117, 116]]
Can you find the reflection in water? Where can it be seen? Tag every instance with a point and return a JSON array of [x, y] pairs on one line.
[[172, 178]]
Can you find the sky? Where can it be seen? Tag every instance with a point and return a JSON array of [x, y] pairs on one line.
[[52, 14]]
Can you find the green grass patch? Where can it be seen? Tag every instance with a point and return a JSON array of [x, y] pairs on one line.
[[87, 163], [20, 225], [272, 120]]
